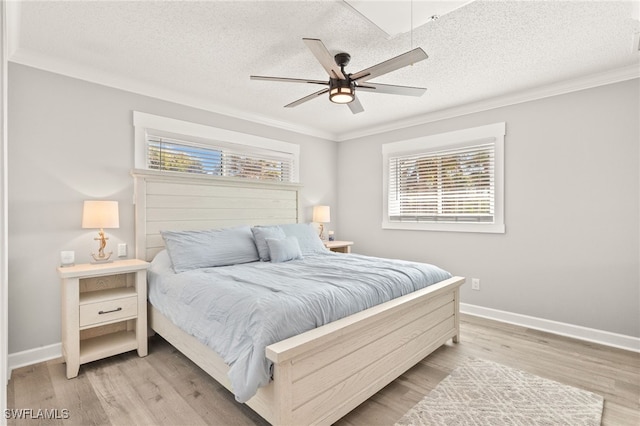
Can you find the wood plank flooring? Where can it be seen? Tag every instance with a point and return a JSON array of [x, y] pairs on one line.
[[165, 388]]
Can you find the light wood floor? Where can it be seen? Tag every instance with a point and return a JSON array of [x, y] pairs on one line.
[[165, 388]]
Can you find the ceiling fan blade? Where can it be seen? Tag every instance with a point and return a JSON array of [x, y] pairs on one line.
[[307, 98], [355, 106], [323, 56], [391, 89], [288, 80], [411, 57]]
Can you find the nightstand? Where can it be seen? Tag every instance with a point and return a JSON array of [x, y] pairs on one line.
[[104, 311], [339, 246]]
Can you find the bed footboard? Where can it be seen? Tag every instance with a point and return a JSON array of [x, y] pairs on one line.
[[321, 375]]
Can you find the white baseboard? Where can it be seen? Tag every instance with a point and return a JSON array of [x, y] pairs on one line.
[[46, 353], [606, 338], [33, 356]]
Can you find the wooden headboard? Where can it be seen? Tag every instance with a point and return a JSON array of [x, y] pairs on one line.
[[178, 201]]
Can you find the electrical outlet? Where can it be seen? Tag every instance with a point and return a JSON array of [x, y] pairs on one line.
[[475, 283], [122, 250]]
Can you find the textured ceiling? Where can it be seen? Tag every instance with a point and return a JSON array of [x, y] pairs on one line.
[[202, 53]]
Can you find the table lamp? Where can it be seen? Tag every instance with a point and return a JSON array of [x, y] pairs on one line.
[[322, 215], [100, 215]]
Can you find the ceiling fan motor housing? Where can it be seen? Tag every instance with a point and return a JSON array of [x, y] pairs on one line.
[[342, 59]]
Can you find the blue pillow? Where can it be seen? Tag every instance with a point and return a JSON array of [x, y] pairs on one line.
[[261, 233], [215, 247], [283, 250], [308, 238]]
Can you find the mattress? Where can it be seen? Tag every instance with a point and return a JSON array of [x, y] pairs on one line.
[[239, 310]]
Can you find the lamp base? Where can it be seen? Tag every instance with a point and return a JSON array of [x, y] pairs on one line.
[[106, 258]]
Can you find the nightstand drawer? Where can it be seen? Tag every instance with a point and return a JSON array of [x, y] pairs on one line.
[[108, 310]]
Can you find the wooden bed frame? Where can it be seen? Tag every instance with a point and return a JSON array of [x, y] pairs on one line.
[[320, 375]]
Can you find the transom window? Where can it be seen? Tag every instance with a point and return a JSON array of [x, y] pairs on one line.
[[170, 145], [182, 156], [451, 181]]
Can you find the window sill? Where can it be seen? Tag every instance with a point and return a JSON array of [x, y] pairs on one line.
[[490, 228]]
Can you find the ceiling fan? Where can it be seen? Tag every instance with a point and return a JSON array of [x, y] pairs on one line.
[[342, 86]]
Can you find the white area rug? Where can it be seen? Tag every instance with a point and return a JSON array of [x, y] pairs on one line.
[[486, 393]]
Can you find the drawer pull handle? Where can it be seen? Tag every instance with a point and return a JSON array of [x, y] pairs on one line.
[[108, 312]]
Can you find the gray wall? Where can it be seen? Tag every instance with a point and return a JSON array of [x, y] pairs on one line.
[[70, 140], [570, 253]]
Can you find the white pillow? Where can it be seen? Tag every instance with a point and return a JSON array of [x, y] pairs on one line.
[[214, 247], [308, 238], [261, 233], [283, 250]]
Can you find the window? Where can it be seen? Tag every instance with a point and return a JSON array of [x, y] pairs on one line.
[[166, 144], [182, 156], [448, 182]]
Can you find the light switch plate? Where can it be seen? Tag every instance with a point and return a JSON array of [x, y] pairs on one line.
[[67, 258], [122, 249]]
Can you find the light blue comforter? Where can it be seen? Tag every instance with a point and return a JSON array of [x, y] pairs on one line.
[[239, 310]]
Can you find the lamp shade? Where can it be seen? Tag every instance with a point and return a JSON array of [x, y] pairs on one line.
[[100, 214], [322, 214]]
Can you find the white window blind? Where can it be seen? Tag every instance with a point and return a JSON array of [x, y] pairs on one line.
[[450, 185], [169, 154], [450, 181], [168, 144]]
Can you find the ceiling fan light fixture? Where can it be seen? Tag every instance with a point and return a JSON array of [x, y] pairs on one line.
[[341, 91]]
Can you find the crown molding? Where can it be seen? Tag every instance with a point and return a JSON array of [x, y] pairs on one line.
[[566, 86], [45, 62], [48, 63], [97, 76]]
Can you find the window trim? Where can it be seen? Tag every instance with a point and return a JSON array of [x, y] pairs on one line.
[[495, 132], [144, 122]]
